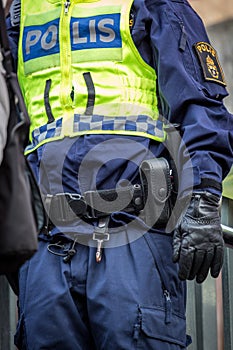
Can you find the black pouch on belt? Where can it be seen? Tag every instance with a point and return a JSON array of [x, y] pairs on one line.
[[157, 186]]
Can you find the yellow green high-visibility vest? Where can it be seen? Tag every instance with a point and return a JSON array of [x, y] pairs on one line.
[[80, 72]]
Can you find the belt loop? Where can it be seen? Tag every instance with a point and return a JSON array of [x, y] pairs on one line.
[[101, 235]]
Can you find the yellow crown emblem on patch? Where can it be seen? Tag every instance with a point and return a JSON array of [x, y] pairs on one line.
[[209, 61], [212, 67]]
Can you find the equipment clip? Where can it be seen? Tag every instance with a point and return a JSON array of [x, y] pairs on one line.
[[101, 235]]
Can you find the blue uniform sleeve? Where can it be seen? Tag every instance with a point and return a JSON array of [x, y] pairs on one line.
[[13, 36], [171, 37], [192, 84]]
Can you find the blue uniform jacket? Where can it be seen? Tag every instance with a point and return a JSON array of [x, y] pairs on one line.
[[165, 33]]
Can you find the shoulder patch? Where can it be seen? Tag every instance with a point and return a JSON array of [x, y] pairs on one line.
[[208, 58]]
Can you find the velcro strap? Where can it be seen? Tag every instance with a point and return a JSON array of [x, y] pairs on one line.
[[207, 183]]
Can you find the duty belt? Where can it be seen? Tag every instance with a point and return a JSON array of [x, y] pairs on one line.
[[153, 196], [66, 207]]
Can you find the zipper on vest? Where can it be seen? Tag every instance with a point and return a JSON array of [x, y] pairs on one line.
[[65, 61], [67, 5]]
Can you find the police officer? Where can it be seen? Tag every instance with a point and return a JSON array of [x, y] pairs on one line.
[[107, 86]]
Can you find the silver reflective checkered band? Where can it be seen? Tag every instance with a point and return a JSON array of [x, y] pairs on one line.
[[84, 124]]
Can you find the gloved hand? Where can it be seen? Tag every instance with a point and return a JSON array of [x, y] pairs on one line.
[[198, 244]]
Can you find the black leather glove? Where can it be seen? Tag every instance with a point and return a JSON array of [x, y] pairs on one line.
[[198, 244]]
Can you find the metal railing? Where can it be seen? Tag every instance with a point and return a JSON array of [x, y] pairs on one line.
[[210, 305]]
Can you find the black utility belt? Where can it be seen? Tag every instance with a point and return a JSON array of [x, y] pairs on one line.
[[151, 198]]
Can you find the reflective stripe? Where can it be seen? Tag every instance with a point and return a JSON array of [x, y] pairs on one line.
[[45, 132], [140, 125]]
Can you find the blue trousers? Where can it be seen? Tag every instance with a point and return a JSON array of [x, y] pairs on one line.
[[119, 303], [133, 298]]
